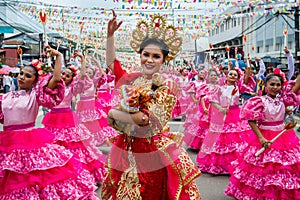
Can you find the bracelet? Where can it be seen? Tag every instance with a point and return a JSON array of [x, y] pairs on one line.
[[144, 122], [143, 118]]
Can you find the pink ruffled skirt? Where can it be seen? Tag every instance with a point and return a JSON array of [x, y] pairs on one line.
[[94, 119], [274, 174], [76, 138], [195, 127], [105, 98], [31, 166], [229, 142]]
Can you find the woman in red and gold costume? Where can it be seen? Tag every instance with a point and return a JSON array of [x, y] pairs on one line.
[[146, 161]]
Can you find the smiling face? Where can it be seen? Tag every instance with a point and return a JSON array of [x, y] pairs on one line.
[[66, 75], [273, 86], [201, 74], [27, 78], [232, 76], [152, 59], [213, 77], [90, 72]]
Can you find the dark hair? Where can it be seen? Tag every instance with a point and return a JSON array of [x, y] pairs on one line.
[[274, 75], [72, 71], [236, 72], [157, 42], [35, 71]]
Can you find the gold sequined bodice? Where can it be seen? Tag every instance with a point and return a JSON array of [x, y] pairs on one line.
[[142, 81]]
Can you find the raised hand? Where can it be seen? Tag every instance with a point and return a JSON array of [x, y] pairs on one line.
[[52, 52], [78, 54], [286, 50], [113, 25]]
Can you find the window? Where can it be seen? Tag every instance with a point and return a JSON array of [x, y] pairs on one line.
[[257, 49], [289, 45], [277, 47], [267, 48]]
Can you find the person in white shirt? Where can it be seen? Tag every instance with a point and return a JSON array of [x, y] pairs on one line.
[[7, 81]]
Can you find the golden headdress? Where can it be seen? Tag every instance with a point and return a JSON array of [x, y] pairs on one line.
[[157, 28]]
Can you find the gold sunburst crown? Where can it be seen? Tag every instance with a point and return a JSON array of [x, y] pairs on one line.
[[157, 28]]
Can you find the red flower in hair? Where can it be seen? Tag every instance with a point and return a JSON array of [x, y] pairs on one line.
[[74, 69], [42, 68], [280, 73]]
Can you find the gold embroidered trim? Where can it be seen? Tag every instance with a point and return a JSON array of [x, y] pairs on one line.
[[193, 192], [129, 185], [162, 144], [186, 165], [162, 106]]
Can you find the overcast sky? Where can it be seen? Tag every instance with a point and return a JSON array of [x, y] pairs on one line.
[[84, 3]]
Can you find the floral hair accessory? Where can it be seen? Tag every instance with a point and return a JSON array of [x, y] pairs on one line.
[[157, 28], [74, 70], [280, 73], [239, 71], [42, 68]]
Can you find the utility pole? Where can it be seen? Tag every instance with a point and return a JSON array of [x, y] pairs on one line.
[[297, 33]]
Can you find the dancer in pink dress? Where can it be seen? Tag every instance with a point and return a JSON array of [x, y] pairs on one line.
[[197, 119], [183, 98], [229, 131], [197, 123], [31, 165], [105, 91], [274, 174], [67, 127], [90, 113]]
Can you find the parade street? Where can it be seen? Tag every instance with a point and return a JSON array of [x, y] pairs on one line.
[[210, 186]]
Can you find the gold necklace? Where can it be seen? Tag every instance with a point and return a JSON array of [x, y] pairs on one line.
[[142, 81]]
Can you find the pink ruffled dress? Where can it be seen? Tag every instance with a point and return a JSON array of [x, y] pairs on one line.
[[31, 165], [105, 92], [274, 174], [70, 133], [230, 135], [183, 98], [197, 121], [91, 113]]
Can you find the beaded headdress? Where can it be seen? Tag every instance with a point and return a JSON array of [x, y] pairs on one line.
[[157, 28]]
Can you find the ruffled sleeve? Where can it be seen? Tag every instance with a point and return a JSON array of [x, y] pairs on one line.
[[97, 78], [49, 97], [192, 74], [251, 83], [214, 94], [289, 97], [253, 110], [102, 80], [79, 85], [118, 70], [243, 88], [191, 87], [202, 90], [110, 78]]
